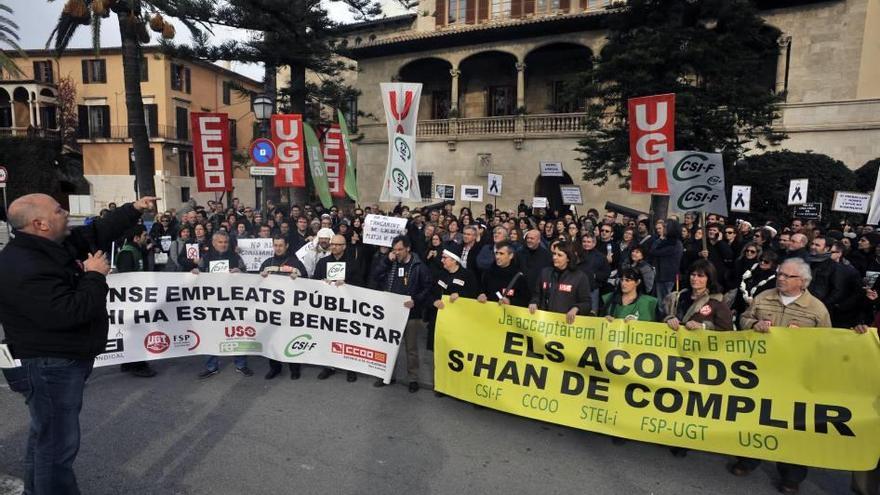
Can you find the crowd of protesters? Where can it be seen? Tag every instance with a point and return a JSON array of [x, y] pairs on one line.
[[693, 272]]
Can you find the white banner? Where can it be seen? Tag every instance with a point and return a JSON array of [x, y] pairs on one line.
[[401, 102], [165, 315], [851, 202], [696, 181], [254, 252], [381, 230]]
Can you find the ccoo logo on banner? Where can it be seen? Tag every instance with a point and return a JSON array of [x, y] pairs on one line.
[[401, 102], [696, 181]]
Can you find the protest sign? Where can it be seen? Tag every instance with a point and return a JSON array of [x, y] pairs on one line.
[[797, 191], [539, 202], [444, 192], [401, 102], [551, 169], [741, 198], [808, 211], [192, 251], [571, 195], [471, 193], [696, 181], [804, 396], [254, 252], [494, 184], [211, 153], [851, 202], [166, 315], [381, 230], [287, 134]]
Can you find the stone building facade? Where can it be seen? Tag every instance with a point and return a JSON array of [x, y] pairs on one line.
[[494, 72]]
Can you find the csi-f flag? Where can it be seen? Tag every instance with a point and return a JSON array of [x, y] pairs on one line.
[[401, 101], [316, 166], [696, 181], [350, 182]]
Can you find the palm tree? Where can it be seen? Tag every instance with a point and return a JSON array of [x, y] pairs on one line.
[[132, 19], [9, 37]]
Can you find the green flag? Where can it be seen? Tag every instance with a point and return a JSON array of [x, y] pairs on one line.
[[316, 165], [350, 173]]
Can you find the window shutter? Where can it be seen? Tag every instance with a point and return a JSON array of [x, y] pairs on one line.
[[105, 121], [482, 10], [145, 70], [82, 121], [516, 7], [85, 71], [528, 7], [186, 75], [470, 12], [440, 14], [152, 119], [38, 72], [564, 5]]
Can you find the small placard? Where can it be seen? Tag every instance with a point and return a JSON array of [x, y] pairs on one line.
[[471, 193], [851, 202], [336, 271], [192, 251], [571, 195], [551, 169], [219, 266], [539, 202]]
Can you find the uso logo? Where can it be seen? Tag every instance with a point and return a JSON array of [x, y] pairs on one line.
[[157, 342]]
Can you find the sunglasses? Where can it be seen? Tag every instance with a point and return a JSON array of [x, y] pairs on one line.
[[729, 232], [751, 251]]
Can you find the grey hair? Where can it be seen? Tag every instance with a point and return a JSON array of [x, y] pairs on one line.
[[803, 269], [470, 227], [218, 234]]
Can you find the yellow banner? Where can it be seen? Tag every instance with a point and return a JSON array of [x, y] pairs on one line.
[[807, 396]]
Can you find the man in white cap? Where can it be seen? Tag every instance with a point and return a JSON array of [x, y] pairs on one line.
[[315, 249]]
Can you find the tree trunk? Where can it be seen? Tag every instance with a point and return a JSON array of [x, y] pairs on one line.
[[137, 128], [298, 105]]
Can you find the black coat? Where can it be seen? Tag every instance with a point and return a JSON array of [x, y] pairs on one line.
[[560, 291], [534, 262], [285, 265], [462, 282], [496, 280], [49, 306]]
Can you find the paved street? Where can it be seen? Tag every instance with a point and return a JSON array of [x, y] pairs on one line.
[[229, 434]]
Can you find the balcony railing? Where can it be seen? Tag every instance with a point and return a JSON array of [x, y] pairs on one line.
[[560, 123], [30, 132], [122, 132]]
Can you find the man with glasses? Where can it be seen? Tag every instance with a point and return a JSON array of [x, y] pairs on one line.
[[846, 297], [731, 239], [339, 259], [789, 305], [608, 246], [719, 253]]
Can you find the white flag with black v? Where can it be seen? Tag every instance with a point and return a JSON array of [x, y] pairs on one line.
[[874, 212]]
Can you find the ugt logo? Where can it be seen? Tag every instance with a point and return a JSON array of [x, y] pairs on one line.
[[400, 114], [157, 342]]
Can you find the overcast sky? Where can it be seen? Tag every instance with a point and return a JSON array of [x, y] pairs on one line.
[[36, 19]]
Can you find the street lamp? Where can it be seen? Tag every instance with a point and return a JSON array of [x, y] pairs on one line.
[[263, 107]]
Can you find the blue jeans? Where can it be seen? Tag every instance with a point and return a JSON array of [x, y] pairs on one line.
[[54, 395], [663, 289], [213, 362]]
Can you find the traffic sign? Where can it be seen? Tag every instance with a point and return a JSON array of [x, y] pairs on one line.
[[262, 170], [262, 152]]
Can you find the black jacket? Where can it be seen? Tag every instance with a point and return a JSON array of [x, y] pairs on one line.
[[49, 306], [595, 266], [462, 282], [234, 259], [496, 280], [534, 262], [416, 282], [560, 291]]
